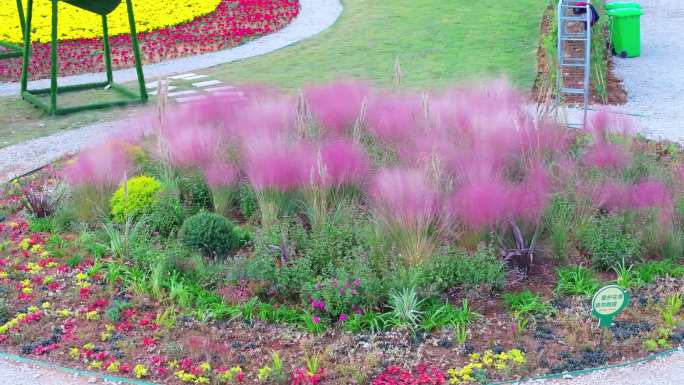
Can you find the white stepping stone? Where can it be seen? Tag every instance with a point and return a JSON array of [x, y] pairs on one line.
[[168, 88], [195, 77], [182, 76], [220, 89], [237, 94], [182, 93], [189, 99], [206, 83]]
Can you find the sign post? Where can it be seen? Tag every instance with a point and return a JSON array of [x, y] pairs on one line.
[[608, 302]]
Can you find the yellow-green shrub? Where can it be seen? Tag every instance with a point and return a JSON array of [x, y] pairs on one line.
[[135, 197]]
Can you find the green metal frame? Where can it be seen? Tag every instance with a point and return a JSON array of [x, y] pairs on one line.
[[32, 96], [14, 50]]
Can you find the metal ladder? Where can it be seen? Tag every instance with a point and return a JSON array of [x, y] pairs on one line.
[[566, 62]]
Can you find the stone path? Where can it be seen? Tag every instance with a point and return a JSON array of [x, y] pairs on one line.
[[655, 81], [314, 17], [14, 373], [664, 371]]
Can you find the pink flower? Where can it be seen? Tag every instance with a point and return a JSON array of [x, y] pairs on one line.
[[343, 317], [316, 320]]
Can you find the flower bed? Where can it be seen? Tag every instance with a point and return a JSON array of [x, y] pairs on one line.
[[349, 236], [212, 26]]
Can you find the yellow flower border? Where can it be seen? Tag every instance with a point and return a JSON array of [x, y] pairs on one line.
[[75, 23]]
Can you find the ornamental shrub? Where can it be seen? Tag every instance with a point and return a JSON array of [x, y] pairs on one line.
[[166, 215], [195, 194], [135, 197], [459, 268], [610, 239], [212, 234]]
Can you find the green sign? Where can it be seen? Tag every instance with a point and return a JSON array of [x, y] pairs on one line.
[[607, 303]]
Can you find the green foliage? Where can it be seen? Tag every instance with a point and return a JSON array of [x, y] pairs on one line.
[[673, 304], [441, 315], [627, 277], [576, 280], [120, 238], [274, 371], [247, 200], [166, 215], [116, 307], [134, 198], [650, 345], [405, 309], [210, 233], [527, 304], [558, 222], [4, 311], [64, 219], [609, 239], [459, 268], [648, 272], [40, 225], [195, 194]]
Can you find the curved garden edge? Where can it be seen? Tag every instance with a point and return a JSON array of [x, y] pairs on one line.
[[85, 373], [315, 17]]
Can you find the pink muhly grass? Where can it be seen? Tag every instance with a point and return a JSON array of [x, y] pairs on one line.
[[405, 197], [220, 174], [105, 165], [279, 166], [650, 194], [192, 145], [602, 153], [394, 118], [530, 198], [481, 201], [343, 162], [337, 105], [270, 118]]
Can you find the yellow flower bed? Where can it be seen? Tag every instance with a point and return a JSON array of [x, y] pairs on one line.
[[75, 23]]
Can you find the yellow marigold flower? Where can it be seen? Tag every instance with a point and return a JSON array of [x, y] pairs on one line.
[[89, 346], [517, 356], [105, 336], [25, 244], [113, 367], [32, 309], [474, 356], [3, 274], [74, 353], [45, 254], [64, 313], [109, 327], [92, 315], [27, 290], [4, 329], [503, 356], [48, 279], [25, 282], [76, 23], [140, 371], [83, 284], [81, 276], [37, 249], [173, 364], [201, 380], [52, 264], [95, 365], [205, 366], [500, 365]]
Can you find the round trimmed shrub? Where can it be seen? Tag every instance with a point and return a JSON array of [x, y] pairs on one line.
[[210, 233], [195, 194], [166, 215], [135, 197]]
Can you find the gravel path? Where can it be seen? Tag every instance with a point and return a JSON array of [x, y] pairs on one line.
[[14, 373], [655, 81], [314, 17], [663, 371]]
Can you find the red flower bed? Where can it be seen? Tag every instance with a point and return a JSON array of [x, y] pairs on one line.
[[233, 22]]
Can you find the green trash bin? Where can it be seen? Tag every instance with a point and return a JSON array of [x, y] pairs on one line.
[[621, 4], [626, 31]]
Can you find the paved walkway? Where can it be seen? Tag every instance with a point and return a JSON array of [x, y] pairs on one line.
[[664, 371], [314, 17], [14, 373]]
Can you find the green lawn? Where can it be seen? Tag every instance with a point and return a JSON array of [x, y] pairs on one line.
[[437, 42]]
